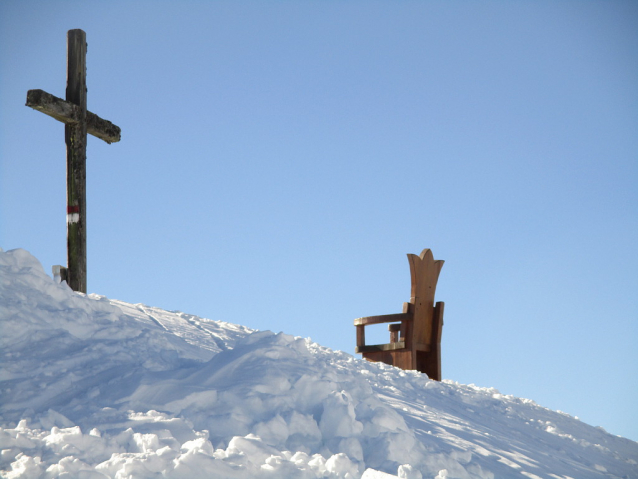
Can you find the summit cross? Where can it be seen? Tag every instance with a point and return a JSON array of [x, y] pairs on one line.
[[77, 123]]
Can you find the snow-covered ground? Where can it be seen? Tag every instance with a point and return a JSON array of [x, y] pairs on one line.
[[94, 388]]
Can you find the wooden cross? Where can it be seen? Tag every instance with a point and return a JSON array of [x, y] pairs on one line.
[[77, 123]]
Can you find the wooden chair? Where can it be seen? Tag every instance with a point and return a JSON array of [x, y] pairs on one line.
[[415, 334]]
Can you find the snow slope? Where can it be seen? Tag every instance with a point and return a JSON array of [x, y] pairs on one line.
[[94, 388]]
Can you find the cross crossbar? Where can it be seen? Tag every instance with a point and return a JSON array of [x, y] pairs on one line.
[[69, 113]]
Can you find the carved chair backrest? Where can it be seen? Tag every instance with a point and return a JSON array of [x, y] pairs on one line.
[[424, 274]]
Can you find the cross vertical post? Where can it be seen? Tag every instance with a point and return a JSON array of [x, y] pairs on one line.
[[75, 138]]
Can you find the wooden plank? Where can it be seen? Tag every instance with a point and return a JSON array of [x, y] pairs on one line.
[[102, 129], [361, 336], [386, 318], [75, 138], [53, 106], [435, 354], [424, 273], [437, 323], [394, 329], [403, 358], [69, 113], [380, 347], [421, 347]]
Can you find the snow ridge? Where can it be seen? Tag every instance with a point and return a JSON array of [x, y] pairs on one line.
[[96, 388]]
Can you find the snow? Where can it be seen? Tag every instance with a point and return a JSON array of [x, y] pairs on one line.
[[95, 388]]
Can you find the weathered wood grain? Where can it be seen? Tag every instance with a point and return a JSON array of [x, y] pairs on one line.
[[70, 113], [381, 347], [75, 138], [384, 318]]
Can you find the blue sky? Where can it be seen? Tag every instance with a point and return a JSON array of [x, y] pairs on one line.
[[279, 160]]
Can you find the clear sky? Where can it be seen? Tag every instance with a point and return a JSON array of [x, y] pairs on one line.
[[279, 160]]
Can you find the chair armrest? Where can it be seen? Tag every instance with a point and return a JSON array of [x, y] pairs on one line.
[[385, 318]]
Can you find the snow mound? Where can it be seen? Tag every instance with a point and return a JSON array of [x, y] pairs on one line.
[[96, 388]]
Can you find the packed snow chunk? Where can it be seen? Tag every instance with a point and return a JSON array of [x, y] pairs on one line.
[[310, 389], [406, 471], [386, 419], [390, 450], [272, 385], [150, 464], [338, 418], [72, 467], [303, 433], [54, 419], [25, 467], [197, 401], [200, 445], [252, 448], [18, 437], [351, 447], [273, 432], [278, 466], [146, 442], [374, 474], [340, 465], [201, 466], [73, 441]]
